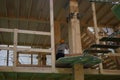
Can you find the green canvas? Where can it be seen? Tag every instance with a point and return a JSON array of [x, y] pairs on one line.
[[116, 10]]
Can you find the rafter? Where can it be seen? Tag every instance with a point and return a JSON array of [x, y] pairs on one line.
[[97, 11], [108, 21], [107, 11]]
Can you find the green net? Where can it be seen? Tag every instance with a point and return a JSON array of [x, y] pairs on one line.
[[85, 60], [116, 10]]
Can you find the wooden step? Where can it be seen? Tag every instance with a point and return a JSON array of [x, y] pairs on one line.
[[113, 39], [104, 46]]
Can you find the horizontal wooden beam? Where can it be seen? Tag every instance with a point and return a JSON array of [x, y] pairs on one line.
[[111, 72], [27, 44], [115, 54], [34, 32], [35, 69], [6, 30], [26, 31], [57, 70], [26, 49]]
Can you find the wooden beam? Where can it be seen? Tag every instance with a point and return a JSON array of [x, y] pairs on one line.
[[102, 16], [75, 39], [27, 50], [15, 47], [96, 30], [74, 30], [34, 32], [52, 35], [78, 72], [97, 11], [95, 23], [110, 54], [108, 21], [111, 72], [26, 31], [57, 70], [6, 30]]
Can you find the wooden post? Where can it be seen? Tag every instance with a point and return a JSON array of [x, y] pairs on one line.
[[78, 72], [52, 36], [15, 47], [96, 31], [95, 23], [74, 30], [75, 39]]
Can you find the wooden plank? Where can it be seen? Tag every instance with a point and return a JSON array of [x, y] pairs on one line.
[[34, 32], [15, 47], [111, 72], [96, 30], [26, 50], [115, 54], [6, 30], [95, 23], [57, 70], [52, 35], [26, 31]]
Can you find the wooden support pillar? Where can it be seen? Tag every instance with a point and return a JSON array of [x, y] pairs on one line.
[[78, 72], [52, 36], [15, 47], [95, 23], [96, 31], [74, 30], [75, 39]]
